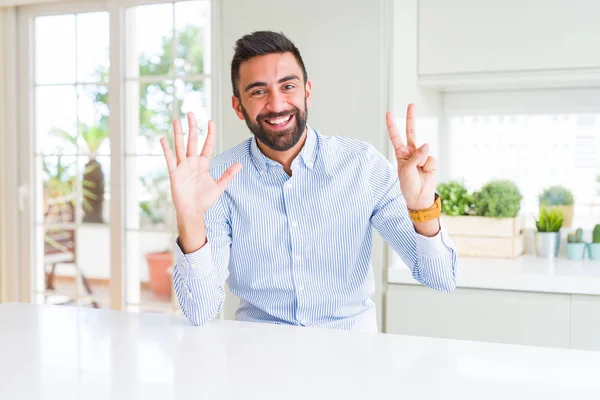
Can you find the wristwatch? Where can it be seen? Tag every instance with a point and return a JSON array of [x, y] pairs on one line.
[[427, 214]]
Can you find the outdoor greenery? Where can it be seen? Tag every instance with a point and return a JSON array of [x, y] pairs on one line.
[[155, 113]]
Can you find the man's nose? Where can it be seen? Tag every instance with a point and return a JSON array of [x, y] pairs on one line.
[[277, 102]]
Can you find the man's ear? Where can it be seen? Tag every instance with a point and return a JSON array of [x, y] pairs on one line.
[[308, 89], [237, 107]]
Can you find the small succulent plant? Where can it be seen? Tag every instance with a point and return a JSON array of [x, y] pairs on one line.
[[575, 237], [596, 234]]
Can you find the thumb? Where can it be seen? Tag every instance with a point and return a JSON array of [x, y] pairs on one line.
[[228, 175], [419, 157]]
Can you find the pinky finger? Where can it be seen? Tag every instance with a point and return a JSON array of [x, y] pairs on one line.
[[171, 161]]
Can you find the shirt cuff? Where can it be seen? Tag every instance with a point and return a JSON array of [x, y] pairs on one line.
[[434, 246], [196, 264]]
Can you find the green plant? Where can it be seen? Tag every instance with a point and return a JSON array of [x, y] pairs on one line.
[[575, 237], [154, 208], [556, 196], [550, 219], [497, 199], [92, 185], [455, 198], [596, 234]]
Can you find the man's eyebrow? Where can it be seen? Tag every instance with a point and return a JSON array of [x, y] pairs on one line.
[[258, 83]]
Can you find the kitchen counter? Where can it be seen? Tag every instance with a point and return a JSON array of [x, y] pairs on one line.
[[526, 273]]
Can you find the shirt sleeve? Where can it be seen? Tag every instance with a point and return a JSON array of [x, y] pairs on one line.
[[432, 260], [199, 277]]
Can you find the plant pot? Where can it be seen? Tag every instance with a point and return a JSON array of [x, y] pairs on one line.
[[547, 244], [594, 251], [576, 251], [160, 280], [567, 214]]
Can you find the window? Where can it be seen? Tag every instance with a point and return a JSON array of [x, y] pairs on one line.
[[77, 137], [534, 149]]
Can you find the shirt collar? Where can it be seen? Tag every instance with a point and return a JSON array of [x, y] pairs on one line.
[[308, 152]]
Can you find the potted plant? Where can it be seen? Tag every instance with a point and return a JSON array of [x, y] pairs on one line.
[[559, 197], [575, 245], [93, 183], [456, 200], [547, 237], [154, 210], [594, 247], [485, 223]]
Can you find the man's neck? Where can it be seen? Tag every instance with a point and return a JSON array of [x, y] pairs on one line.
[[284, 158]]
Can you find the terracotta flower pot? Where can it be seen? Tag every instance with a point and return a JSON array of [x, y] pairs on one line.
[[160, 280]]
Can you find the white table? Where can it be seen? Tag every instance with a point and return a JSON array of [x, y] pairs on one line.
[[62, 353]]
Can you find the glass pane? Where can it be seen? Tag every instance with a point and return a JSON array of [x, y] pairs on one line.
[[523, 148], [56, 119], [93, 119], [57, 195], [54, 271], [149, 262], [76, 266], [192, 24], [149, 46], [95, 184], [148, 197], [153, 102], [92, 47], [194, 97], [55, 63]]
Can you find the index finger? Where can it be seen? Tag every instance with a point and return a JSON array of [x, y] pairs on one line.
[[410, 126]]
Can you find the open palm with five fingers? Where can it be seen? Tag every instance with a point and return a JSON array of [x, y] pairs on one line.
[[416, 168], [193, 188]]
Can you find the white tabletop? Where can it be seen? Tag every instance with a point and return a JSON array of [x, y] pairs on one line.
[[526, 273], [61, 353]]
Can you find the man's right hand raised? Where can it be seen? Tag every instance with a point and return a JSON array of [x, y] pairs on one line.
[[193, 189]]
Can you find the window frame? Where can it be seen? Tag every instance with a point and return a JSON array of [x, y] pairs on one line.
[[25, 79]]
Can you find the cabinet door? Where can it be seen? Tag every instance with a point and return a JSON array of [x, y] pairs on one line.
[[483, 315], [474, 36], [585, 322]]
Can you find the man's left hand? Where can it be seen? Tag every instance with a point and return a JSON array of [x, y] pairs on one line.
[[416, 168]]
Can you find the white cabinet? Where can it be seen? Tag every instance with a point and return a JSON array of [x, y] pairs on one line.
[[485, 315], [585, 322], [474, 36]]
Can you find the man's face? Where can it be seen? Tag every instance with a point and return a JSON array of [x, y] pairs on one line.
[[274, 99]]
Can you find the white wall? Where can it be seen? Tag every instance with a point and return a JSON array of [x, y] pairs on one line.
[[474, 36], [343, 45]]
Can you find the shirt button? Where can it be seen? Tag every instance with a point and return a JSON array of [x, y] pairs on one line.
[[294, 224], [297, 258], [300, 288], [289, 185]]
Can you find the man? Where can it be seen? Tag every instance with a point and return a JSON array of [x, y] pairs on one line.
[[285, 218]]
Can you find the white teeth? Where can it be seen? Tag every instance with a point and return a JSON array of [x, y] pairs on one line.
[[279, 121]]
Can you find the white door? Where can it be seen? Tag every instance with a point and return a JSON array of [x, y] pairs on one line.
[[100, 83]]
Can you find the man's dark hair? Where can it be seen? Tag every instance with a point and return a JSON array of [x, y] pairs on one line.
[[257, 44]]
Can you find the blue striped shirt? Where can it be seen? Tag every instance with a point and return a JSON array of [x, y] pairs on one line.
[[296, 250]]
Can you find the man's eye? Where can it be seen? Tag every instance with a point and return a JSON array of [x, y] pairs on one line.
[[258, 92], [288, 87]]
